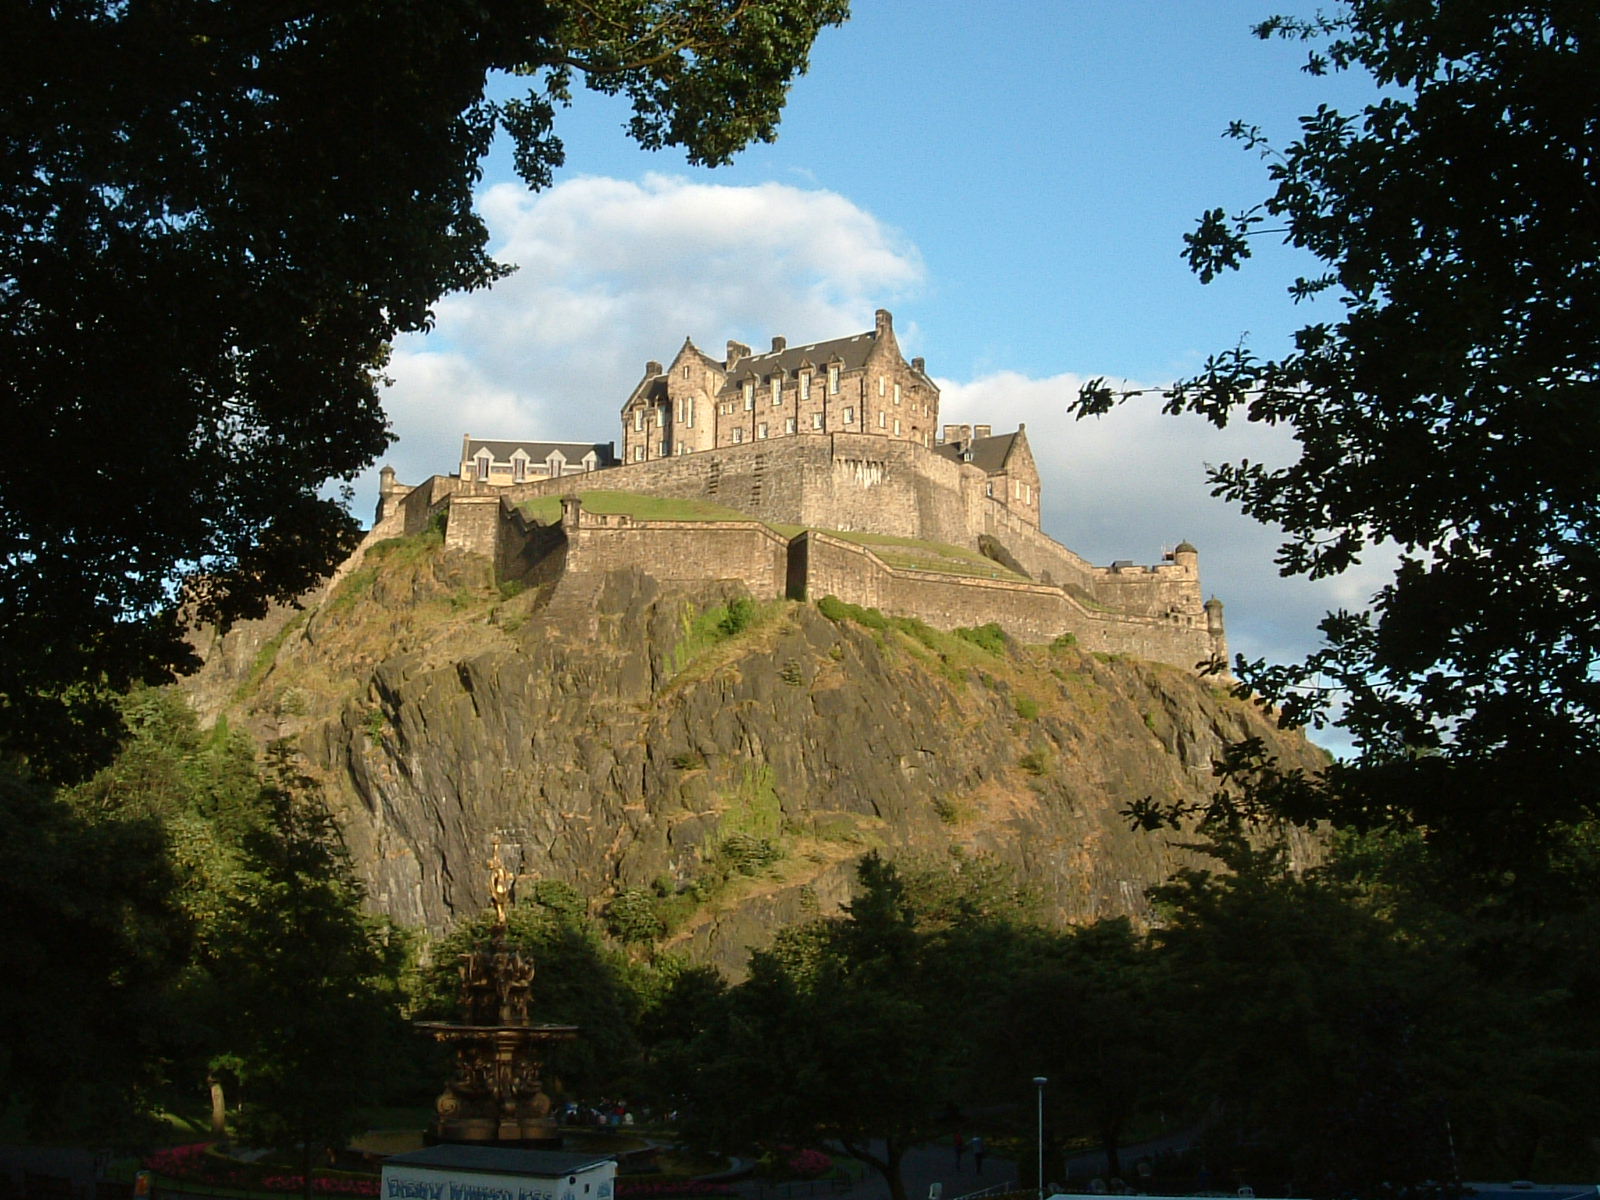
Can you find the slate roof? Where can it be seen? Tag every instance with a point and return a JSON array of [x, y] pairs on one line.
[[496, 1160], [501, 451], [989, 453], [851, 351]]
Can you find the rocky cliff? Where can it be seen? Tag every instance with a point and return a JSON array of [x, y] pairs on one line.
[[719, 762]]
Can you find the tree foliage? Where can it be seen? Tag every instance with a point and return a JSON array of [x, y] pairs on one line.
[[1450, 411], [183, 916], [213, 222]]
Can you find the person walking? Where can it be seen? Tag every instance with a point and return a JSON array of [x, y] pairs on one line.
[[977, 1148], [960, 1144]]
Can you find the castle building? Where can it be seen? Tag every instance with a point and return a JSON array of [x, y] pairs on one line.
[[860, 384], [839, 439], [507, 462]]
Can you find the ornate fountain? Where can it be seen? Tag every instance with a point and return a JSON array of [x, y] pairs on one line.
[[495, 1095]]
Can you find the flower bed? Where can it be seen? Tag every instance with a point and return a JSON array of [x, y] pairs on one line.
[[198, 1164]]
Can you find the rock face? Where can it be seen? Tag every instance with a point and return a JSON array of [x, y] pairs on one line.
[[729, 760]]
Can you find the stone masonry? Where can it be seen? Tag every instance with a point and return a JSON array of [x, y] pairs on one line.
[[833, 436]]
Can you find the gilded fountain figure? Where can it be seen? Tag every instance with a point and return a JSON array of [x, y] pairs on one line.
[[495, 1094]]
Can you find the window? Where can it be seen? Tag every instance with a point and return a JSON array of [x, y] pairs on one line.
[[805, 385], [738, 436], [788, 425], [897, 393], [816, 420], [897, 427], [849, 414], [661, 417], [777, 389], [761, 430], [686, 411], [883, 420], [833, 379], [638, 454], [519, 469], [880, 385], [749, 394], [661, 450], [988, 488], [638, 419], [483, 466], [686, 370]]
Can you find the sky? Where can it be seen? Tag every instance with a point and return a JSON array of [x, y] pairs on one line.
[[1012, 180]]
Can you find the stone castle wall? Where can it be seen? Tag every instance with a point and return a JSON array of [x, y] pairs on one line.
[[832, 481]]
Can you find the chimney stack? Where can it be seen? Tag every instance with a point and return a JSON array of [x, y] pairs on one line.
[[736, 351], [981, 431], [652, 368], [918, 364], [778, 344], [882, 320]]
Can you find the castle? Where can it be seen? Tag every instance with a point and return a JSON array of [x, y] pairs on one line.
[[833, 456]]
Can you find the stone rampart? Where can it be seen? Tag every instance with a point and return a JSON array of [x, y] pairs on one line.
[[844, 481], [676, 550]]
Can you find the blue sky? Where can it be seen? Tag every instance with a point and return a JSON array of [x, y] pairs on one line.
[[1011, 179]]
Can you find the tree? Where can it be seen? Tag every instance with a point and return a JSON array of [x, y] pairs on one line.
[[1451, 411], [848, 1030], [1082, 1009], [306, 984], [1327, 1044], [91, 952], [245, 957], [213, 222]]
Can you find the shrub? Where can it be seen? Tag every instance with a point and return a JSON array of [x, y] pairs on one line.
[[631, 917], [1066, 641], [837, 610], [988, 637], [748, 854], [1034, 762], [740, 613], [1027, 707]]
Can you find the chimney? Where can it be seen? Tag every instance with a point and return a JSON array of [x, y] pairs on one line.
[[882, 320], [652, 368], [778, 344], [918, 364], [981, 431], [736, 351]]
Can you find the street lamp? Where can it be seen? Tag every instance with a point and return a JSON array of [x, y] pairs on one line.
[[1038, 1082]]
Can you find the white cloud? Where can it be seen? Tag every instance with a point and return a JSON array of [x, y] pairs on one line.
[[613, 272], [1132, 484]]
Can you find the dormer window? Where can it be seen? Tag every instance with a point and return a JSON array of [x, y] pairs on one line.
[[749, 394], [519, 468], [833, 379], [777, 389], [805, 385], [482, 462]]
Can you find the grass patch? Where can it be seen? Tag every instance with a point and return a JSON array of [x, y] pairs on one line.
[[266, 656], [1027, 707], [914, 554], [710, 627], [837, 611]]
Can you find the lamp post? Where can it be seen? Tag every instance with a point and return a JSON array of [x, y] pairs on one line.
[[1038, 1082]]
